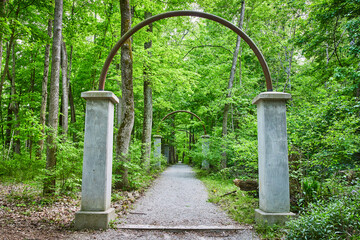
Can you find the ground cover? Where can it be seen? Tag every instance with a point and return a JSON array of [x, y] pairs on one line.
[[331, 212], [239, 204], [26, 214]]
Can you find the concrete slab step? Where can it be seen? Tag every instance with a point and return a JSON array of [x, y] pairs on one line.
[[183, 228]]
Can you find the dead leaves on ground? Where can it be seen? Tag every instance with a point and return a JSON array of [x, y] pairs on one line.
[[25, 214]]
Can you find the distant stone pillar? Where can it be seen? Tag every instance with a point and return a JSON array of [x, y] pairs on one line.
[[95, 210], [274, 195], [166, 152], [205, 151], [157, 151]]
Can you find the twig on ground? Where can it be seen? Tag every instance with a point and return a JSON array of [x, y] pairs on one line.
[[228, 193]]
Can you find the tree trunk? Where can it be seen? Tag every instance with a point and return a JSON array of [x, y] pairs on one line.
[[49, 183], [148, 109], [230, 85], [15, 103], [72, 109], [2, 8], [1, 82], [65, 91], [44, 92], [71, 98], [124, 134], [3, 76]]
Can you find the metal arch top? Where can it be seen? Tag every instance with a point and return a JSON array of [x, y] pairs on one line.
[[185, 112], [155, 18]]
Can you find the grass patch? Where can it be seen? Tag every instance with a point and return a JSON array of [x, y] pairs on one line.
[[239, 205]]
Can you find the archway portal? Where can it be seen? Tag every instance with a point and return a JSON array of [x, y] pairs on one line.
[[178, 111], [212, 17], [274, 198]]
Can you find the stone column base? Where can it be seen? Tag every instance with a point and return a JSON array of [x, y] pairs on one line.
[[94, 219], [272, 218], [205, 165]]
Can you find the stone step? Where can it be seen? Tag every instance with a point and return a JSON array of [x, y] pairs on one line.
[[183, 228]]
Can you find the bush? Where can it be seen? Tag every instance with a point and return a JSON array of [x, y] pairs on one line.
[[336, 219]]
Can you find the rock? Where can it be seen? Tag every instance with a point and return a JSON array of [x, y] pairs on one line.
[[246, 185]]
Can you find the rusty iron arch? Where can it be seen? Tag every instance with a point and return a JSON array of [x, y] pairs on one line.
[[193, 114], [212, 17]]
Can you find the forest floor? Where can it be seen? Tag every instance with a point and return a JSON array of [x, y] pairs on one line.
[[177, 200], [25, 214]]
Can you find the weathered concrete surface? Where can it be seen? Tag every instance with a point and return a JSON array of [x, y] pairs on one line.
[[94, 220], [157, 150], [97, 162], [166, 153], [205, 151], [272, 218], [274, 196]]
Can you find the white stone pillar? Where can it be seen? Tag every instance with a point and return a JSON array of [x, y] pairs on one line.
[[205, 151], [274, 195], [95, 210], [166, 152], [157, 151]]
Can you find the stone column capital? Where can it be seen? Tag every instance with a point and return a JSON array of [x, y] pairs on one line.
[[205, 136], [100, 95], [271, 96], [157, 136]]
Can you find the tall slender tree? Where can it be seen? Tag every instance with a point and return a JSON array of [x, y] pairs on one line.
[[14, 104], [44, 92], [148, 111], [65, 91], [127, 123], [2, 9], [49, 183], [231, 83]]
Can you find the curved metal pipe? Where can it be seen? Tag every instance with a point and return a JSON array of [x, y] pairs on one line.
[[212, 17], [185, 112]]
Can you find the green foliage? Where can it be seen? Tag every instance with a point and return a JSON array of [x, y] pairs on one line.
[[270, 231], [336, 219], [139, 177], [69, 166], [239, 205]]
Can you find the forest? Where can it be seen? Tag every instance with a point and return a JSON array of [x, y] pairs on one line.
[[52, 51]]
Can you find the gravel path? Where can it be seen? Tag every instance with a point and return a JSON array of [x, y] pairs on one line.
[[177, 200]]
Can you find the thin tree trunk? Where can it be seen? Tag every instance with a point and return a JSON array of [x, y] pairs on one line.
[[3, 76], [230, 85], [72, 109], [14, 102], [2, 8], [71, 98], [29, 141], [240, 71], [148, 108], [124, 134], [49, 183], [44, 92], [1, 54], [1, 83], [65, 91]]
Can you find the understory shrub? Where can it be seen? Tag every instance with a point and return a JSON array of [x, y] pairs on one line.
[[138, 175], [338, 218]]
